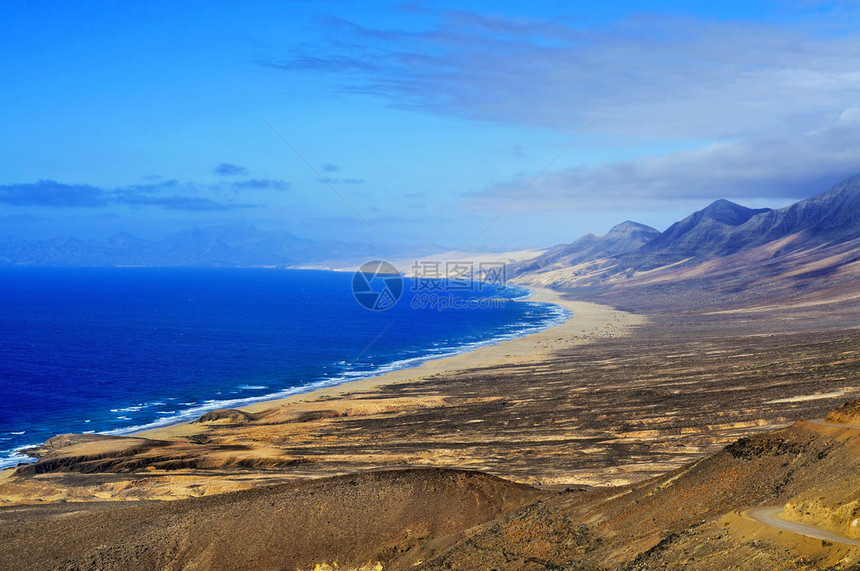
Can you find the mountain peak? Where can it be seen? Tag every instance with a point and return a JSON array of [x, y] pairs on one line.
[[848, 189], [727, 212], [704, 232], [621, 239], [852, 183], [629, 226], [832, 215]]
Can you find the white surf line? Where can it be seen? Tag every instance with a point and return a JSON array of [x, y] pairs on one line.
[[771, 516]]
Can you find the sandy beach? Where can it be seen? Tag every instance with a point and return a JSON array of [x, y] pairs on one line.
[[605, 398], [297, 418], [588, 322], [457, 462]]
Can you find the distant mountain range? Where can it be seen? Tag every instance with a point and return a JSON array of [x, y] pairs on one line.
[[622, 239], [725, 228], [726, 243], [715, 230], [217, 246], [722, 231]]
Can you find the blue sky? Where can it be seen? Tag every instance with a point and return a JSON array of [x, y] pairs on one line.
[[427, 119]]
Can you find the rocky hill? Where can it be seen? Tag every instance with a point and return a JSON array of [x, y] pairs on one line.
[[624, 238], [725, 251], [715, 230], [764, 502], [780, 500], [394, 517], [725, 228]]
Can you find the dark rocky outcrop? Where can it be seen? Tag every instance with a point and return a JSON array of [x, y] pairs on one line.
[[227, 415]]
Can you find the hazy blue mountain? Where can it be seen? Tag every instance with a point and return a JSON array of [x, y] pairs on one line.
[[625, 237], [227, 246], [708, 231], [718, 231], [725, 228], [831, 216]]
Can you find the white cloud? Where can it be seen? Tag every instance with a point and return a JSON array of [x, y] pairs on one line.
[[770, 168], [657, 77]]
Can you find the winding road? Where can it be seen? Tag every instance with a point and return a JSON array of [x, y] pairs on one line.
[[771, 515], [825, 422]]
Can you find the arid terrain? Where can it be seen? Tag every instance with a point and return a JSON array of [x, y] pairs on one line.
[[701, 415], [602, 435]]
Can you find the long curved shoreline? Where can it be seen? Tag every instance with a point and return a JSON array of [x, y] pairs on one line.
[[587, 322]]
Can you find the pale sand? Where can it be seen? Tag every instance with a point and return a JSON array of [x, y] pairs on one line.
[[589, 322], [817, 396]]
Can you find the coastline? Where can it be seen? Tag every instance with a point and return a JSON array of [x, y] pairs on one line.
[[587, 322], [565, 407], [13, 452]]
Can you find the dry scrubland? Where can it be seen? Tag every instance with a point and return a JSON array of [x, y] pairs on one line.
[[616, 441]]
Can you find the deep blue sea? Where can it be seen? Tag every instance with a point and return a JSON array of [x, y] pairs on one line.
[[117, 350]]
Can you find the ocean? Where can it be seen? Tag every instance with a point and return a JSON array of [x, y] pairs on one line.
[[118, 350]]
